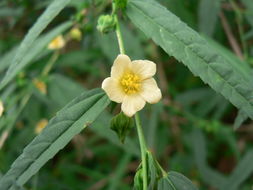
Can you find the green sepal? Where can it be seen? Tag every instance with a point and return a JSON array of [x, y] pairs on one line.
[[122, 125], [138, 181]]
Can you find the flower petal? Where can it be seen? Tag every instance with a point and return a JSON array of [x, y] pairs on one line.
[[132, 104], [144, 68], [150, 91], [120, 65], [113, 90]]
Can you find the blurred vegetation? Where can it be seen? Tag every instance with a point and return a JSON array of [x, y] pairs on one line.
[[190, 131]]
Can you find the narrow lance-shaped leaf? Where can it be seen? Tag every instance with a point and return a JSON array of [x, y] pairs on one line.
[[242, 171], [187, 46], [68, 122], [210, 176], [34, 53], [50, 13]]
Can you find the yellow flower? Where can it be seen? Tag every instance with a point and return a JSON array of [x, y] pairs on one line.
[[132, 84], [41, 125], [76, 34], [40, 85], [1, 108], [57, 43]]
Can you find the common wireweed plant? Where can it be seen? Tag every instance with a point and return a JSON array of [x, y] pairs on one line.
[[130, 83]]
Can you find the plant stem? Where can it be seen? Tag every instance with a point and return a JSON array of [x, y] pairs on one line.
[[143, 151], [137, 118], [118, 31], [119, 36], [50, 63]]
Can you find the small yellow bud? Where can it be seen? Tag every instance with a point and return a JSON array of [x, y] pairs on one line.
[[76, 34], [1, 108], [40, 85], [57, 43], [41, 125]]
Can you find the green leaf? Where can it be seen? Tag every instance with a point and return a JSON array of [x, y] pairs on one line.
[[209, 175], [240, 118], [242, 171], [62, 89], [68, 122], [249, 11], [38, 46], [50, 13], [175, 181], [208, 15], [187, 46]]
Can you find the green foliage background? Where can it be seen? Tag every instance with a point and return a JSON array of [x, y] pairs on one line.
[[190, 131]]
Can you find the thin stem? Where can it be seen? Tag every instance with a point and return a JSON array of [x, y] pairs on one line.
[[143, 151], [119, 36], [118, 31], [50, 63], [137, 118]]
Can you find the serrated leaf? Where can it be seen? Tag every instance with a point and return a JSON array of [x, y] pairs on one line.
[[49, 14], [68, 122], [187, 46], [175, 181]]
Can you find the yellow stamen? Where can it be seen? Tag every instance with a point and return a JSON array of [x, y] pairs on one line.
[[130, 83]]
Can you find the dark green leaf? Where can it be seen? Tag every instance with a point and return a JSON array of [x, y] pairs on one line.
[[68, 122], [180, 41], [50, 13]]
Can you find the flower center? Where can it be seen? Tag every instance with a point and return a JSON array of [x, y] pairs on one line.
[[130, 83]]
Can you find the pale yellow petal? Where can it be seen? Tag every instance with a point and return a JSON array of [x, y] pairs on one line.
[[150, 91], [57, 43], [131, 104], [1, 108], [144, 68], [121, 64], [113, 90]]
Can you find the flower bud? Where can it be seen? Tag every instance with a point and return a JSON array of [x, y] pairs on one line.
[[57, 43], [122, 125], [106, 23], [76, 34], [41, 125], [40, 85]]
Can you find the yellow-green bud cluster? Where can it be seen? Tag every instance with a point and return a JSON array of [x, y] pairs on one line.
[[106, 23]]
